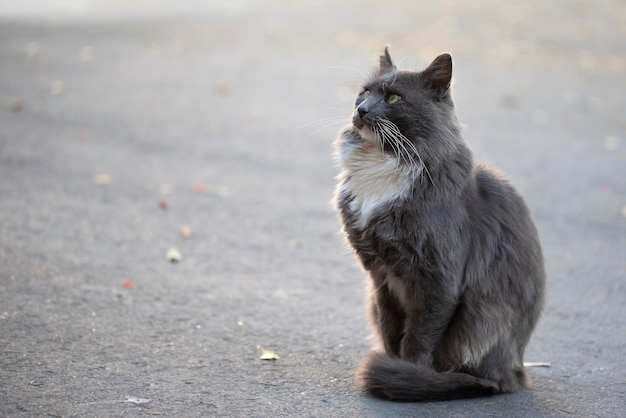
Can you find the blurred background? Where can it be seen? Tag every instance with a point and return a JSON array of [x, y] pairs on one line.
[[132, 128]]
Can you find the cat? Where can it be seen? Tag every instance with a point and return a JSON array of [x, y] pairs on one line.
[[457, 275]]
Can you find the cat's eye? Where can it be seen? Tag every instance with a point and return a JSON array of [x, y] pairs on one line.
[[392, 98], [366, 94]]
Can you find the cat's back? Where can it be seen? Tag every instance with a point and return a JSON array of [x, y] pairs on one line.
[[503, 227], [497, 195]]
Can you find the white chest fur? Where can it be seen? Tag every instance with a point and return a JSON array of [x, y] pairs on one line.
[[373, 178]]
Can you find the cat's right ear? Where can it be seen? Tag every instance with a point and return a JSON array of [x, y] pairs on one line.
[[438, 75], [386, 64]]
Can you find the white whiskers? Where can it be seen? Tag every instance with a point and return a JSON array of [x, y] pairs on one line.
[[312, 128], [388, 132], [324, 123]]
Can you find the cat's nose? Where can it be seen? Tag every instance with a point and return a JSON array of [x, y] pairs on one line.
[[363, 110]]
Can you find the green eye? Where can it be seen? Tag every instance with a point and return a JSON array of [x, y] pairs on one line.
[[366, 94], [392, 98]]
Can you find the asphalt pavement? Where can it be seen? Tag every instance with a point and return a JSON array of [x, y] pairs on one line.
[[166, 174]]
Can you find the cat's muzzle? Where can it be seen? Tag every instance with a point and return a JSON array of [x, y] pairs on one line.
[[357, 120]]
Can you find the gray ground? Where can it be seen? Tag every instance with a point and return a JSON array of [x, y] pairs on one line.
[[122, 121]]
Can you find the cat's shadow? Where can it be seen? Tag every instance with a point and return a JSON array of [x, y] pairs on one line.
[[523, 404]]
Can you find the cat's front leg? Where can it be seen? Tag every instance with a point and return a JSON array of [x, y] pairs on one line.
[[427, 318], [387, 317]]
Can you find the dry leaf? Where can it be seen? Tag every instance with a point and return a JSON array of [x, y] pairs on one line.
[[185, 231], [537, 364], [128, 284], [268, 355], [163, 204]]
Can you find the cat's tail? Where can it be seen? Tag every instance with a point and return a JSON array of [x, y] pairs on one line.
[[400, 380]]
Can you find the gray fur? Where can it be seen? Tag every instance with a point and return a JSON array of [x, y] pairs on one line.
[[456, 268]]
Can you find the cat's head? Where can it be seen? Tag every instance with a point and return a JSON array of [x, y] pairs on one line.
[[409, 112]]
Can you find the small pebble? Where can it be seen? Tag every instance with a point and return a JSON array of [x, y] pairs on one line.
[[173, 255], [32, 48], [165, 188], [102, 179], [611, 143], [85, 54], [198, 188], [57, 87]]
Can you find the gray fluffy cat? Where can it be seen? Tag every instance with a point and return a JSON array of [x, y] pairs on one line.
[[456, 268]]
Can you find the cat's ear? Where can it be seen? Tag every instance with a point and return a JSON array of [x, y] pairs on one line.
[[386, 64], [438, 75]]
